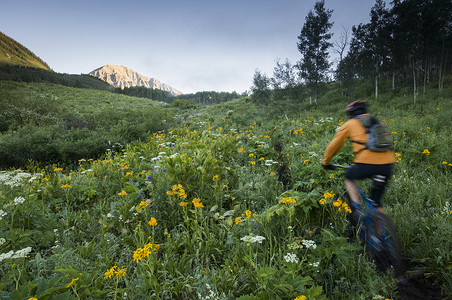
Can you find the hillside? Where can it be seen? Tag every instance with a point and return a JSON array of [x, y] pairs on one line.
[[123, 77], [52, 123], [230, 204], [14, 53]]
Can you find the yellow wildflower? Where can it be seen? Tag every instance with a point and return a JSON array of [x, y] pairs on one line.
[[444, 162], [66, 186], [153, 222], [302, 297], [238, 220], [143, 204], [322, 201], [72, 282], [328, 195], [182, 193], [122, 193], [57, 169], [288, 200], [33, 298], [196, 202], [121, 273], [248, 214], [215, 178], [109, 274], [137, 256], [426, 152], [183, 204], [337, 203]]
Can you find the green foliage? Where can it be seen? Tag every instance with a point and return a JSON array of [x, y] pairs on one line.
[[32, 74], [210, 97], [230, 204], [261, 88], [313, 45], [14, 53], [143, 92], [183, 104], [54, 124]]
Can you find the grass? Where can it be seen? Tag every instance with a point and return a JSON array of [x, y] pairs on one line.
[[230, 204]]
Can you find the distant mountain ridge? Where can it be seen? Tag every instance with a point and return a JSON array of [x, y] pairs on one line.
[[122, 77], [14, 53]]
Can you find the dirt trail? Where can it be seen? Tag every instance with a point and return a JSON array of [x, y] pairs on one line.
[[418, 288]]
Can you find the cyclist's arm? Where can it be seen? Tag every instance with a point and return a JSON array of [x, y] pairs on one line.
[[336, 144]]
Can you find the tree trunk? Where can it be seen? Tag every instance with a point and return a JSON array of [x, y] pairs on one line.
[[376, 86], [414, 82], [393, 80], [376, 81], [425, 76], [444, 72], [442, 67]]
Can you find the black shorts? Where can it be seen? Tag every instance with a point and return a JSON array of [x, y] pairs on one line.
[[379, 174]]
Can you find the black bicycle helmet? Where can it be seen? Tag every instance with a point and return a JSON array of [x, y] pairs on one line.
[[356, 108]]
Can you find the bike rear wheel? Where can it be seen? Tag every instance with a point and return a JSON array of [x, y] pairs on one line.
[[383, 244]]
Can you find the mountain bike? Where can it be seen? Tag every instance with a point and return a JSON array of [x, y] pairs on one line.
[[378, 234]]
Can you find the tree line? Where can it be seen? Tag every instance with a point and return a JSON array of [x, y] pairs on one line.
[[30, 74], [406, 44]]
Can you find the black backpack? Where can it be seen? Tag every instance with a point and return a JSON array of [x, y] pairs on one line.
[[379, 137]]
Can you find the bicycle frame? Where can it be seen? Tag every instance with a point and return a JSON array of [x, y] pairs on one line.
[[379, 234], [366, 223]]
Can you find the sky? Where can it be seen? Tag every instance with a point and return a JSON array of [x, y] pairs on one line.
[[191, 45]]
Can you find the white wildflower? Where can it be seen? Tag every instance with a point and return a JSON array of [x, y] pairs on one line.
[[291, 258], [309, 244], [19, 254], [2, 213], [447, 208], [270, 162], [13, 178], [19, 200], [35, 176], [22, 253], [2, 241], [251, 239], [7, 255], [315, 265]]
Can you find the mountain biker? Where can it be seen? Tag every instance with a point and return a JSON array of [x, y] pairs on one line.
[[366, 164]]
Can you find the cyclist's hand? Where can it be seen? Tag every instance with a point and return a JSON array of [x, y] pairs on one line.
[[328, 167]]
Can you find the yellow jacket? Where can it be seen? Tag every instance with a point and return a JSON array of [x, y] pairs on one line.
[[355, 131]]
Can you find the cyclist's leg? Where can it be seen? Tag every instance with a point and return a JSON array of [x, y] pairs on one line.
[[355, 172], [380, 179], [352, 190]]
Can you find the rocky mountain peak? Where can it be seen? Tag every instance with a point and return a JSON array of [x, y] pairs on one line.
[[122, 77]]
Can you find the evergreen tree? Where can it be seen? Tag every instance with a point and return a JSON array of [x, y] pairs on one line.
[[313, 45]]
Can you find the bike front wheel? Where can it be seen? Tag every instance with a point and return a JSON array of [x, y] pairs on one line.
[[384, 244]]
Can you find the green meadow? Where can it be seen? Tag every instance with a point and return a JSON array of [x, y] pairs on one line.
[[105, 196]]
